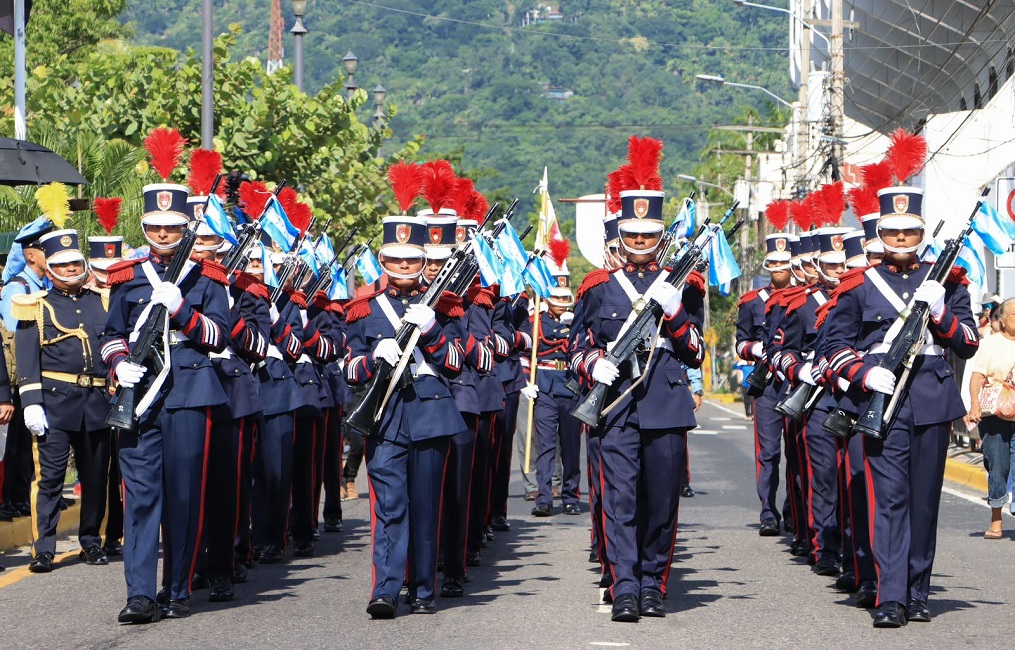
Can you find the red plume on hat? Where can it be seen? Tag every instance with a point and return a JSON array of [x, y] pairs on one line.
[[254, 196], [165, 149], [829, 203], [205, 166], [864, 197], [560, 250], [406, 182], [300, 216], [800, 213], [906, 155], [614, 186], [464, 188], [777, 213], [643, 156], [288, 199], [108, 212], [439, 184]]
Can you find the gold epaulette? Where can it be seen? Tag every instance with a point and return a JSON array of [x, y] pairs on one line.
[[25, 306]]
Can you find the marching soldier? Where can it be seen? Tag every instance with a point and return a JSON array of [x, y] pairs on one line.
[[906, 468], [62, 383]]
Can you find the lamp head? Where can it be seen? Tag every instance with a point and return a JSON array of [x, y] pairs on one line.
[[299, 7], [349, 61]]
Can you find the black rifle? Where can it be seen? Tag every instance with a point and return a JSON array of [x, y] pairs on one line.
[[324, 280], [151, 333], [252, 233], [644, 327], [290, 264]]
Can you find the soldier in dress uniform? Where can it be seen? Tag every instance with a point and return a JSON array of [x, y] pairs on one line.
[[905, 470], [642, 440], [552, 419], [163, 461], [406, 457], [751, 334], [62, 384]]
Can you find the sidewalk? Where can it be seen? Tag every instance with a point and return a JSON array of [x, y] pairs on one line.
[[17, 533], [965, 467]]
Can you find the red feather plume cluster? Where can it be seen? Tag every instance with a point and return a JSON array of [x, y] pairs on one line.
[[643, 157], [877, 176], [288, 199], [906, 155], [828, 203], [165, 149], [108, 212], [439, 184], [777, 213], [464, 188], [254, 195], [300, 216], [205, 166], [800, 213], [406, 182], [614, 186], [560, 250], [862, 201]]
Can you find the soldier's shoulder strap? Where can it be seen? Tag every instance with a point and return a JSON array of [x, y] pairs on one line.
[[359, 308], [451, 305], [25, 306], [593, 279], [122, 271], [748, 297], [215, 272], [958, 276], [848, 281], [249, 284], [696, 280]]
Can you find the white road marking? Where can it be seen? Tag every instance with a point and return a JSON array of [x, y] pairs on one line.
[[704, 432], [728, 410], [721, 419], [610, 644], [734, 426], [963, 495]]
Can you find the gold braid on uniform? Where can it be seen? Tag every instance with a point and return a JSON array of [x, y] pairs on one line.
[[66, 333]]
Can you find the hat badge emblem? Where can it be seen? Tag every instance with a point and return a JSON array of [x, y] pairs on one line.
[[836, 242], [435, 234], [66, 241], [901, 204], [198, 211], [164, 200], [640, 208], [110, 250], [460, 234], [402, 231], [780, 244], [562, 281]]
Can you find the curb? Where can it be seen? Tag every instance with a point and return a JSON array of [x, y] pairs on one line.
[[17, 533], [971, 476]]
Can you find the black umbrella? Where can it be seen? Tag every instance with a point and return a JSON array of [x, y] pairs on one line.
[[27, 163]]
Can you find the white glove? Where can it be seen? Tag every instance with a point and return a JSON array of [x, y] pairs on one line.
[[667, 295], [805, 374], [273, 312], [932, 293], [129, 374], [168, 294], [388, 350], [880, 379], [421, 316], [605, 372], [757, 350], [530, 392], [35, 420], [566, 318]]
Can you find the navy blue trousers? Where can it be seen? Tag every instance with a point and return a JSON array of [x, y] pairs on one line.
[[592, 446], [796, 479], [479, 493], [905, 472], [306, 445], [405, 499], [331, 464], [113, 528], [504, 428], [248, 443], [226, 459], [768, 426], [641, 474], [821, 458], [163, 467], [273, 476], [856, 543], [554, 424], [457, 486]]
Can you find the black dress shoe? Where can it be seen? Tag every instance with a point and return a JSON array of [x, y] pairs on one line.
[[594, 556], [800, 549], [890, 614], [542, 510], [221, 590], [500, 524], [94, 556], [255, 553], [24, 508], [625, 609], [42, 564], [271, 555], [316, 535], [162, 598], [846, 582], [827, 566], [916, 610], [113, 548], [423, 606], [8, 512], [452, 589], [176, 608], [769, 528], [332, 525], [572, 509], [381, 607], [687, 492], [303, 549], [787, 525], [139, 609], [199, 582], [488, 535], [606, 580], [652, 604], [867, 594], [473, 558], [239, 573]]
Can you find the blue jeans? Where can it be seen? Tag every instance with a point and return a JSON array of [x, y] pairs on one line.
[[998, 456]]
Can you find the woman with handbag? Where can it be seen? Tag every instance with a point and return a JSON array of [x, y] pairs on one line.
[[992, 398]]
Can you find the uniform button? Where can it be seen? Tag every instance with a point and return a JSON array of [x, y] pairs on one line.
[[905, 295], [77, 311], [878, 318], [641, 275], [905, 276], [613, 314], [404, 301], [81, 324]]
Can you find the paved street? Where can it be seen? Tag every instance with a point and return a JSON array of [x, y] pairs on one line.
[[728, 587]]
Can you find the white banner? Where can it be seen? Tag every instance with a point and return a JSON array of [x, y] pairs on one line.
[[588, 227]]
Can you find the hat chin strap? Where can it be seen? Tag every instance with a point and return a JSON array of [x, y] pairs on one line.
[[404, 276], [793, 271], [902, 251], [833, 282], [199, 248], [640, 251], [159, 245], [77, 278]]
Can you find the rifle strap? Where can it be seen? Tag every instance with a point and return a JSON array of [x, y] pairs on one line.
[[634, 297], [897, 303], [160, 379], [396, 324]]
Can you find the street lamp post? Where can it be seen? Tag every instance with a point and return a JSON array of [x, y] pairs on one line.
[[719, 80], [793, 14], [379, 94], [207, 76], [350, 61], [299, 31]]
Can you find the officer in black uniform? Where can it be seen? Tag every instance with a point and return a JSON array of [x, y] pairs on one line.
[[62, 382]]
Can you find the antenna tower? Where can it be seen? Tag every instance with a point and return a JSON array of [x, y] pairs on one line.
[[275, 51]]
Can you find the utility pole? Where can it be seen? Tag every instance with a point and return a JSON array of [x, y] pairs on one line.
[[748, 163], [836, 104], [207, 76]]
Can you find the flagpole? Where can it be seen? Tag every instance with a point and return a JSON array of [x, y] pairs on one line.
[[536, 315]]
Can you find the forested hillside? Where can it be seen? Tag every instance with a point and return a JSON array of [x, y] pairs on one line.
[[565, 91]]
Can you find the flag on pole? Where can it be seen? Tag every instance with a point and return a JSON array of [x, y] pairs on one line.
[[997, 232], [722, 265], [685, 220], [270, 278], [308, 255], [215, 217], [324, 251], [368, 266], [490, 268], [971, 259], [538, 276], [277, 225], [510, 247], [339, 284]]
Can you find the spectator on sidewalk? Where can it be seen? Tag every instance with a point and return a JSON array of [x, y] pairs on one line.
[[995, 364]]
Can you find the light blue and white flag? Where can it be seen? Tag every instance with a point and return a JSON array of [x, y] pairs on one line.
[[215, 217], [685, 221], [324, 251], [538, 276], [308, 255], [490, 268], [996, 231], [275, 222], [339, 286], [368, 266], [511, 249], [971, 259], [722, 265], [270, 278]]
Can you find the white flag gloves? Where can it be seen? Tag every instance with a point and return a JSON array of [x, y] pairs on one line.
[[880, 379], [388, 350], [805, 374], [932, 293], [35, 420], [168, 294], [129, 374], [530, 392], [605, 372], [421, 316], [667, 295]]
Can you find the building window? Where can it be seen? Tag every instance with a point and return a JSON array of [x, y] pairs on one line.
[[962, 104], [977, 97], [1010, 64], [992, 87]]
